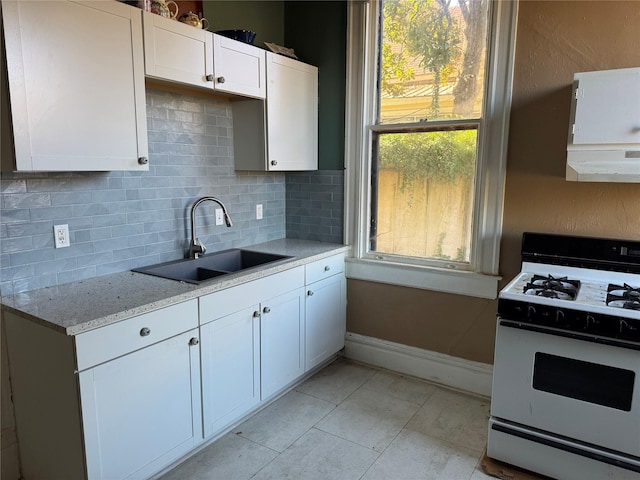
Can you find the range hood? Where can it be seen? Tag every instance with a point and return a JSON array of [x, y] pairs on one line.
[[604, 131]]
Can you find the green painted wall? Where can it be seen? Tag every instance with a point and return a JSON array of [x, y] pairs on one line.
[[266, 18], [316, 30]]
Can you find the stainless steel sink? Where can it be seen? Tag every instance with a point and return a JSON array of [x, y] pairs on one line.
[[210, 266]]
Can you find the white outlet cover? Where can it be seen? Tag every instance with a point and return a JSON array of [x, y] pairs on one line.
[[61, 236], [259, 212], [219, 216]]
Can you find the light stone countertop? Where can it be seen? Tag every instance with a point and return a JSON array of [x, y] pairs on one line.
[[84, 305]]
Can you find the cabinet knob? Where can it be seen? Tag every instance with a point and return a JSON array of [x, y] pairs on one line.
[[274, 162], [209, 78], [144, 332], [220, 79], [327, 268], [143, 160], [194, 341], [310, 293], [266, 310], [256, 314]]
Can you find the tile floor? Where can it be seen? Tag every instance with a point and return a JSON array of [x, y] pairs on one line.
[[351, 421]]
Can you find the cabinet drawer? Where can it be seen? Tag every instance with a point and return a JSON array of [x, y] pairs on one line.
[[102, 344], [324, 268], [228, 301]]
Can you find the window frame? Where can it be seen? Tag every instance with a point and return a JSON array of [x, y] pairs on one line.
[[481, 279]]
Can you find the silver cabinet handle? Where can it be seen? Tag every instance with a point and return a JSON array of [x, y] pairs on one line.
[[310, 293], [256, 314], [209, 78], [143, 160], [266, 310], [144, 332], [274, 162], [194, 341], [220, 79], [327, 268]]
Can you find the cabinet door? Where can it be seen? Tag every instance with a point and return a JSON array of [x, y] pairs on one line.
[[292, 114], [325, 319], [177, 52], [142, 411], [607, 107], [238, 68], [76, 84], [282, 341], [230, 352]]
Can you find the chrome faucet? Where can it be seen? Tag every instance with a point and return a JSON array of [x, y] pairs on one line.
[[196, 247]]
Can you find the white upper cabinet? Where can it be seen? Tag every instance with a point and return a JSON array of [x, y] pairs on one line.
[[239, 68], [604, 130], [292, 114], [177, 52], [76, 85], [187, 55], [607, 107], [280, 134]]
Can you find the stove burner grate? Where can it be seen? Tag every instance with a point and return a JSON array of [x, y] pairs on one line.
[[552, 287], [623, 296]]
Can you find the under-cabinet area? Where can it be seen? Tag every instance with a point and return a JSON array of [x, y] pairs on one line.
[[126, 399], [99, 89]]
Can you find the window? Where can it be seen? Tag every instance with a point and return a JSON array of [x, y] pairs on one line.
[[426, 146]]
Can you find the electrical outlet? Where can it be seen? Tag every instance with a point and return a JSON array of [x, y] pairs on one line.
[[259, 212], [61, 236], [219, 216]]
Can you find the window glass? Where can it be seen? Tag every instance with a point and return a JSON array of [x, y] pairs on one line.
[[430, 90], [424, 189]]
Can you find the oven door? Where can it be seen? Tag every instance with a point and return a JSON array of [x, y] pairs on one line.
[[570, 387]]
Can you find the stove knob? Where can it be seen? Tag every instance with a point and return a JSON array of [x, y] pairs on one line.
[[531, 311], [589, 320], [559, 317]]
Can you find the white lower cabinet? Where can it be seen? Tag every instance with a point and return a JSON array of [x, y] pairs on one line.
[[325, 326], [252, 345], [128, 399], [142, 411], [118, 402], [325, 309], [230, 368], [281, 341]]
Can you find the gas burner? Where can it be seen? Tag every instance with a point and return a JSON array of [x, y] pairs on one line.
[[623, 296], [552, 287]]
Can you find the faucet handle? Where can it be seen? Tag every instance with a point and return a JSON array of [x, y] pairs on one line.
[[197, 248]]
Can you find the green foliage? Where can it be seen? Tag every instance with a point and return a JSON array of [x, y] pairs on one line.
[[422, 29], [439, 156]]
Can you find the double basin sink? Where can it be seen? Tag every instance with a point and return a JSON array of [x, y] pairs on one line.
[[197, 270]]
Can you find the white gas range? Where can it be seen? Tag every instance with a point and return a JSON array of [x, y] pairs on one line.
[[566, 383]]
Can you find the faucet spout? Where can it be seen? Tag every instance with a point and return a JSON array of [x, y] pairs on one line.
[[196, 247]]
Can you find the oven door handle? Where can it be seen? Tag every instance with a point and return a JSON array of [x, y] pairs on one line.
[[564, 333]]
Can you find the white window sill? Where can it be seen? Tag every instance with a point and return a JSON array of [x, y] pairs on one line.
[[449, 281]]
